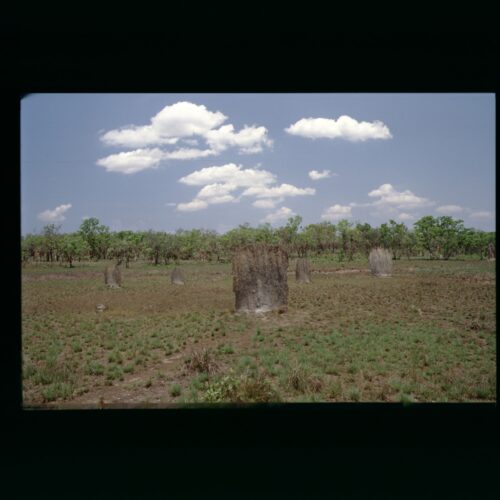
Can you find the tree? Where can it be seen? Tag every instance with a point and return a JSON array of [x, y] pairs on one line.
[[97, 237], [51, 239], [440, 236], [449, 231], [427, 233], [344, 230], [73, 246], [288, 234]]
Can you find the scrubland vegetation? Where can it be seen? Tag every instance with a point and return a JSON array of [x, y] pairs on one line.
[[425, 334]]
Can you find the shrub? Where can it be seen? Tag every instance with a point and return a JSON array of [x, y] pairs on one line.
[[175, 390], [380, 262], [241, 389], [202, 362], [57, 390]]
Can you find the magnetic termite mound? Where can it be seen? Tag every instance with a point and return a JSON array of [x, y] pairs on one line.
[[302, 270], [177, 276], [260, 278], [380, 262], [491, 251], [113, 276]]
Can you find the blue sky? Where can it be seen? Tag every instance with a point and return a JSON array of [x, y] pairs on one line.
[[214, 161]]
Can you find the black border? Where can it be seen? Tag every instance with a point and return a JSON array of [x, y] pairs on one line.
[[107, 60]]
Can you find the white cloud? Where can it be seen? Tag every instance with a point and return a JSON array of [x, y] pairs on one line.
[[315, 175], [184, 119], [187, 154], [390, 197], [215, 190], [136, 137], [192, 206], [337, 212], [405, 216], [282, 214], [179, 121], [267, 203], [229, 174], [249, 139], [480, 215], [56, 215], [131, 162], [219, 183], [449, 209], [344, 127], [277, 192]]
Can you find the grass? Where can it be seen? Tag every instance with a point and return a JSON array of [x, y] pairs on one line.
[[425, 334]]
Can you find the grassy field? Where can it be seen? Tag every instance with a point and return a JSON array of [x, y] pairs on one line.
[[427, 334]]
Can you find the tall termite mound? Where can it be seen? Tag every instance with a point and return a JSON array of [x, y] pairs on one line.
[[260, 278], [491, 251], [380, 262], [177, 277], [113, 276], [302, 271]]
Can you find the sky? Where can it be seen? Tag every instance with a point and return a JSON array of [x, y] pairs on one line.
[[215, 161]]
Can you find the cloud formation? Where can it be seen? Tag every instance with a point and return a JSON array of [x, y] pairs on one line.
[[404, 216], [220, 182], [183, 121], [56, 215], [282, 214], [337, 212], [449, 209], [480, 215], [131, 162], [324, 174], [267, 203], [391, 198], [344, 127]]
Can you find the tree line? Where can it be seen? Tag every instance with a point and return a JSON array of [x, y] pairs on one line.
[[432, 237]]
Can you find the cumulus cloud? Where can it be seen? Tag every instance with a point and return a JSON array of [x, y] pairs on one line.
[[182, 121], [249, 139], [136, 137], [130, 162], [324, 174], [192, 206], [344, 127], [404, 216], [481, 215], [390, 197], [278, 191], [449, 209], [56, 215], [188, 154], [337, 212], [282, 214], [220, 182], [267, 203], [229, 174]]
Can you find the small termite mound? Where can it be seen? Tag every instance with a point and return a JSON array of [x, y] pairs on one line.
[[177, 277], [302, 270], [113, 276], [380, 262], [260, 278]]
